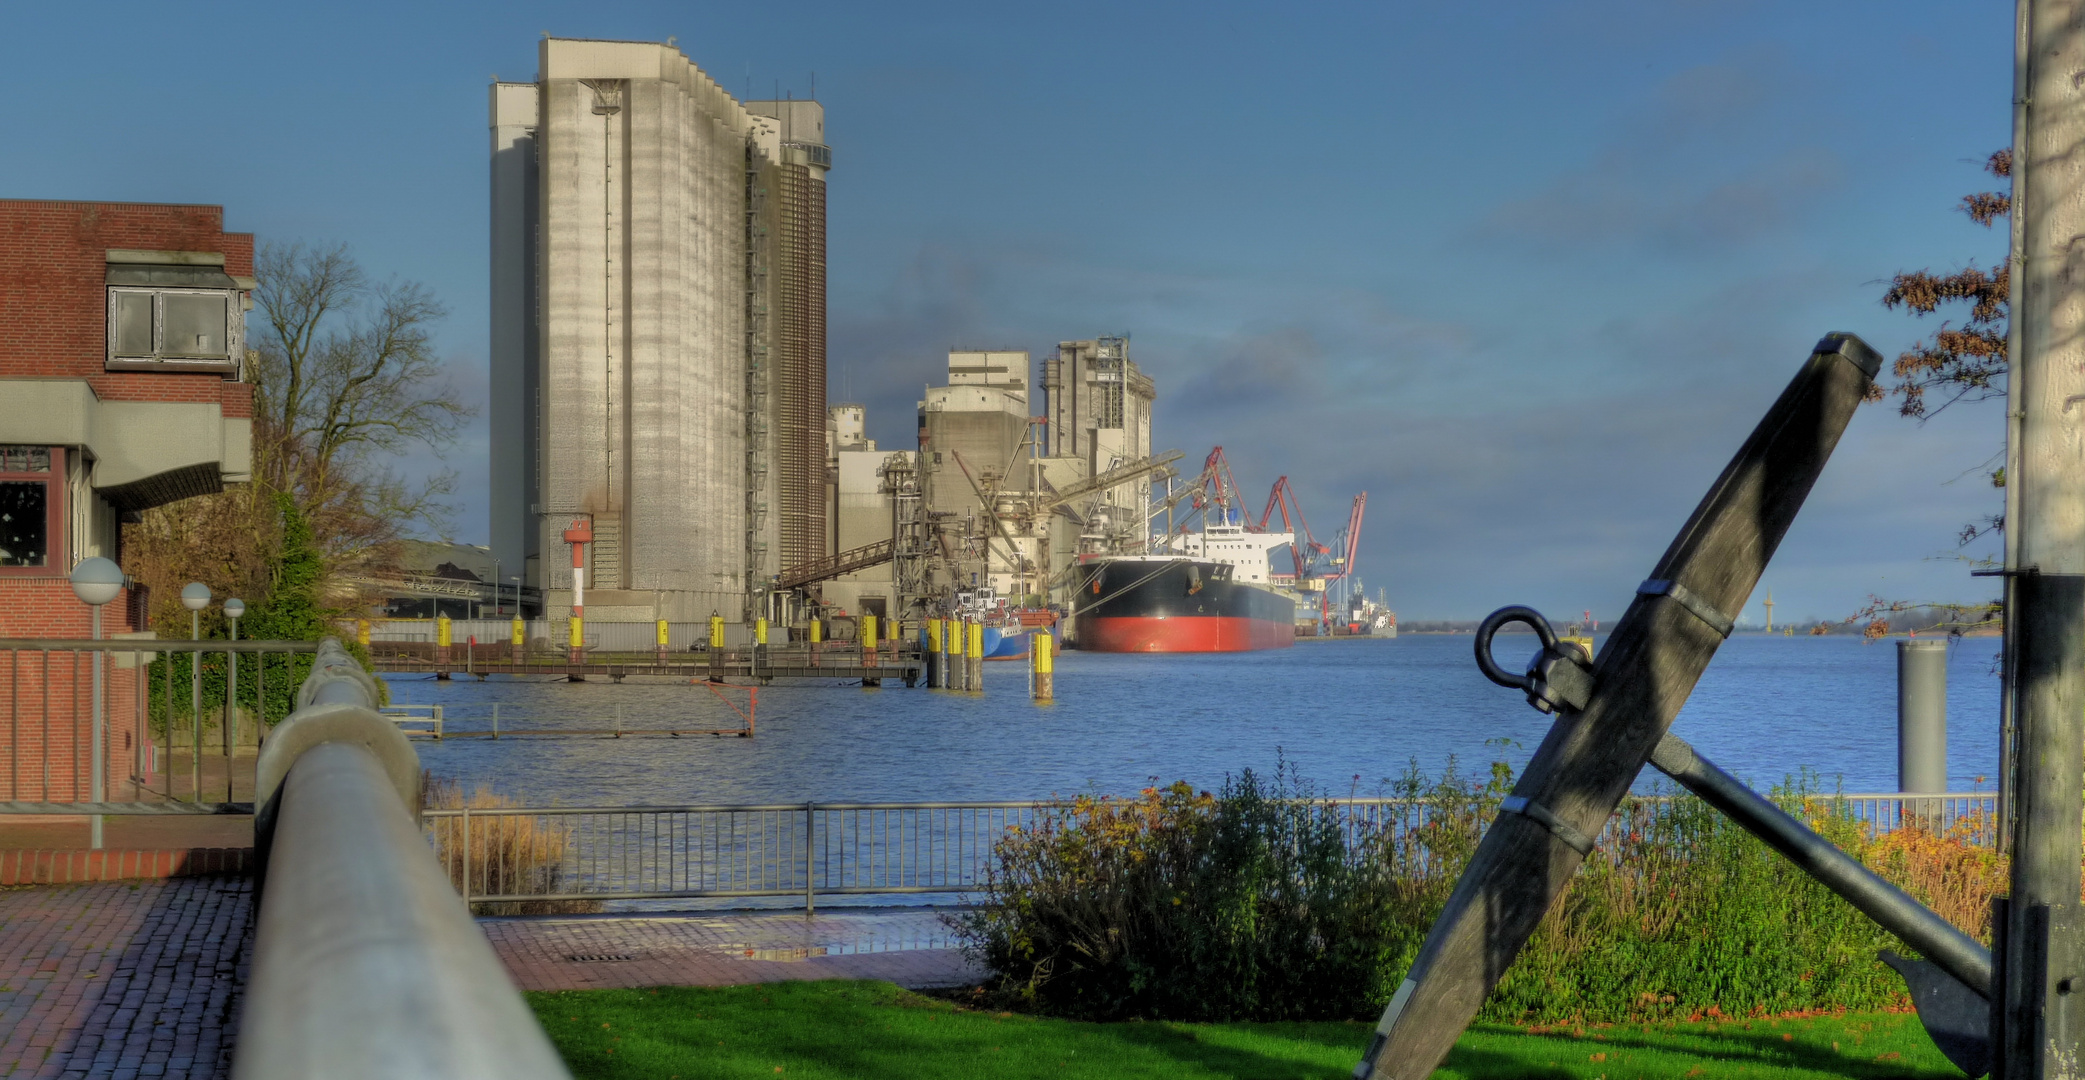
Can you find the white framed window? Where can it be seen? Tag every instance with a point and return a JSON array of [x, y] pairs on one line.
[[165, 327]]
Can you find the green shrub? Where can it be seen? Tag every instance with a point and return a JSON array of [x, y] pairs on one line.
[[292, 610], [1266, 902]]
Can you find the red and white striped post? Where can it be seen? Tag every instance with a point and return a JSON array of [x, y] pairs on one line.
[[579, 535]]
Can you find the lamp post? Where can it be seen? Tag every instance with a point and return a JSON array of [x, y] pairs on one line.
[[97, 581], [233, 608], [497, 608], [195, 596]]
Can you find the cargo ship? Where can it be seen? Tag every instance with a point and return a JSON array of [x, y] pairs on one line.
[[1209, 594]]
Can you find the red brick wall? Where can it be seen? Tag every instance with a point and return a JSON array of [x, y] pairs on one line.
[[53, 324], [53, 303]]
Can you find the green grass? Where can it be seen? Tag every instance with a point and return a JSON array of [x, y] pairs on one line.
[[874, 1030]]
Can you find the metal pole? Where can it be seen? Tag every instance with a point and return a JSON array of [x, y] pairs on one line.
[[2007, 768], [495, 721], [95, 785], [2046, 547], [195, 710], [231, 711], [466, 888], [1922, 716], [810, 886]]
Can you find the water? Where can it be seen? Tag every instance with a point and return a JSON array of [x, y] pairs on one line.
[[1346, 713]]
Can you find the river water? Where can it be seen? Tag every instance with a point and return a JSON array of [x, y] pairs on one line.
[[1345, 713]]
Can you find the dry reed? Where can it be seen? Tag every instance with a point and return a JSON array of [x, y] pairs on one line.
[[506, 853]]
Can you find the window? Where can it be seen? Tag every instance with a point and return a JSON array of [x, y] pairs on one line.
[[1108, 373], [25, 506], [184, 326]]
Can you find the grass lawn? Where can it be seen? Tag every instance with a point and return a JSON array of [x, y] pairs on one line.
[[874, 1030]]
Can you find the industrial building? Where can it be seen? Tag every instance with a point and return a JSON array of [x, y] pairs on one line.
[[1011, 496], [658, 334], [1100, 422], [993, 498], [866, 508]]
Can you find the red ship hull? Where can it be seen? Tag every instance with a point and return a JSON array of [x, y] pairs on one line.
[[1179, 635], [1177, 605]]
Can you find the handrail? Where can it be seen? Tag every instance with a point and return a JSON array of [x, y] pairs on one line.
[[365, 961], [153, 645], [1040, 804]]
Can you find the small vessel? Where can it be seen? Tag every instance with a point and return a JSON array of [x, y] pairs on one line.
[[1005, 631], [1211, 594], [1363, 617]]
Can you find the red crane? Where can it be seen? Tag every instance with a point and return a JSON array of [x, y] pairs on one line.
[[1304, 547], [1216, 489]]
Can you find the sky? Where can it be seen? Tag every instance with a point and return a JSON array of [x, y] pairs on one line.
[[1526, 273]]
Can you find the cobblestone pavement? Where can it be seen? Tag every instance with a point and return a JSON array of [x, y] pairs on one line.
[[910, 947], [122, 979]]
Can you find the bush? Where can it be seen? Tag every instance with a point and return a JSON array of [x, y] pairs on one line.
[[1264, 902], [1192, 906]]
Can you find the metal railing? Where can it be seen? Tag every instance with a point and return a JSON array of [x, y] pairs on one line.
[[422, 720], [46, 709], [496, 854], [1970, 815]]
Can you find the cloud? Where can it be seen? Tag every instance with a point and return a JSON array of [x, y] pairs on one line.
[[1721, 157]]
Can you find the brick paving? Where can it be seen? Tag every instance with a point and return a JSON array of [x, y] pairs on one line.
[[907, 946], [128, 980], [123, 980]]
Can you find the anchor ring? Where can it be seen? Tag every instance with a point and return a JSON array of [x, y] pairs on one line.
[[1489, 628]]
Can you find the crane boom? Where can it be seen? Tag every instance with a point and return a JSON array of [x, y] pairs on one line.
[[1114, 477]]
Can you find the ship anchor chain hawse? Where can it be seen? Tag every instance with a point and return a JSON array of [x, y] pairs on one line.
[[1612, 716]]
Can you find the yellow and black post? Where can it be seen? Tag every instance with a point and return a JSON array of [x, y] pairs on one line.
[[716, 647], [975, 677], [868, 636], [934, 658], [1042, 661]]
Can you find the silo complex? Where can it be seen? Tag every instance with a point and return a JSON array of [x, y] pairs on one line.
[[658, 306]]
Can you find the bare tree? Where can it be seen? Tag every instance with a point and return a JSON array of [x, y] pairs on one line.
[[345, 377], [1965, 361]]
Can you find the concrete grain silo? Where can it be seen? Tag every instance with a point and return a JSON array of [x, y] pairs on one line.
[[634, 274]]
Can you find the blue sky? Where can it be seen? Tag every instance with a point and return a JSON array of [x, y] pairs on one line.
[[1526, 273]]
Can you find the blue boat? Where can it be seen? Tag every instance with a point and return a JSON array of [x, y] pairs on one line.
[[1008, 644], [1005, 637]]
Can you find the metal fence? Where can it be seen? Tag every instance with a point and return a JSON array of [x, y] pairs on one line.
[[151, 705], [520, 854]]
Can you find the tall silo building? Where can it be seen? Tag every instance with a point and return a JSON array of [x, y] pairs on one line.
[[658, 323]]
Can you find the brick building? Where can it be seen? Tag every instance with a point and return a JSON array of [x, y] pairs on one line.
[[122, 361]]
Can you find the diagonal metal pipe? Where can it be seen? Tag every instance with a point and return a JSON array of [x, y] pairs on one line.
[[365, 961]]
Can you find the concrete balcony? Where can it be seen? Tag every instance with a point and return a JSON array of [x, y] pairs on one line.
[[143, 453]]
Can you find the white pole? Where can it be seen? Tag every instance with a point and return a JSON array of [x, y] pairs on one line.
[[96, 789]]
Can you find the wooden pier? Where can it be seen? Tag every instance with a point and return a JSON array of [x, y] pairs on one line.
[[843, 660]]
